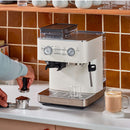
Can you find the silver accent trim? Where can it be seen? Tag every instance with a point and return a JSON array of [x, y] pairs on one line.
[[62, 98]]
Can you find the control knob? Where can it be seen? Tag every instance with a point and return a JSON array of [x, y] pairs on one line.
[[48, 50], [71, 51]]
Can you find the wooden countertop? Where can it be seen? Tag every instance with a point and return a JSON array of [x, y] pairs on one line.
[[30, 8]]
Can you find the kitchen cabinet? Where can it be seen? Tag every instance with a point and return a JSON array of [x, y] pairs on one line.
[[67, 128], [6, 124]]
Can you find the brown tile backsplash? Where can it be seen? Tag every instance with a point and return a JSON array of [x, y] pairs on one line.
[[14, 19], [78, 19], [15, 51], [44, 19], [111, 23], [30, 36], [112, 60], [3, 18], [43, 74], [125, 80], [3, 32], [125, 61], [94, 22], [125, 24], [23, 31], [60, 18], [125, 43], [30, 19], [112, 79], [112, 42], [43, 62], [30, 54], [14, 36]]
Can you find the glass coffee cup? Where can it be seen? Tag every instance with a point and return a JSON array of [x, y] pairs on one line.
[[115, 101]]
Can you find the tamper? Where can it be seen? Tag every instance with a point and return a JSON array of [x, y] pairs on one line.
[[25, 83]]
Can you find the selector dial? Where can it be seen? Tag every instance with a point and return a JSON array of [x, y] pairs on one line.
[[48, 50], [71, 52]]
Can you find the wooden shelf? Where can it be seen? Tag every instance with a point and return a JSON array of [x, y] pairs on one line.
[[30, 8]]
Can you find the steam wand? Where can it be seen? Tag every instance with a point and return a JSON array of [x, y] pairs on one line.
[[91, 67]]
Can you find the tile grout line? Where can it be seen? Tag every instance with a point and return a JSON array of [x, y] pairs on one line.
[[31, 63], [14, 44], [85, 22], [117, 51], [102, 23], [7, 40], [52, 18], [113, 32], [69, 18], [125, 33], [22, 38], [128, 52], [27, 45], [37, 49], [120, 49], [118, 70], [17, 27]]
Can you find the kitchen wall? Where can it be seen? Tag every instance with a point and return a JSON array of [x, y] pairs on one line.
[[21, 29]]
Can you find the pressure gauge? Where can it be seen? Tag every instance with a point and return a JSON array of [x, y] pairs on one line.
[[71, 52], [48, 50]]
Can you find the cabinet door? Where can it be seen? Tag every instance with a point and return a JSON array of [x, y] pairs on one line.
[[6, 124], [67, 128]]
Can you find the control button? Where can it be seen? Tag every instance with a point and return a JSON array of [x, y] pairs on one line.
[[71, 52], [48, 50]]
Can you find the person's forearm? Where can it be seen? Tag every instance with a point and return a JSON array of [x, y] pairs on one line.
[[10, 69]]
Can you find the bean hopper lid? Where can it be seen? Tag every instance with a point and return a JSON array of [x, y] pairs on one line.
[[58, 30]]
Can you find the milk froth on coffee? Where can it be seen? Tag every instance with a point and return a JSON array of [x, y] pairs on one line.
[[113, 101]]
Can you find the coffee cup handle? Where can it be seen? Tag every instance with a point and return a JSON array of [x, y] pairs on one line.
[[127, 99]]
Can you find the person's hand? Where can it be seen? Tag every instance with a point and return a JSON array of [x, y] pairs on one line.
[[30, 75], [3, 99]]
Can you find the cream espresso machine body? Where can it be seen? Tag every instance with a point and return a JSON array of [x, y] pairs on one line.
[[73, 62]]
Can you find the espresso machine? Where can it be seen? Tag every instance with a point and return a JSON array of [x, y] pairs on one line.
[[75, 63]]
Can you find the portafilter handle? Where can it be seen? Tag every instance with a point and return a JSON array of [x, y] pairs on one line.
[[25, 84], [58, 65]]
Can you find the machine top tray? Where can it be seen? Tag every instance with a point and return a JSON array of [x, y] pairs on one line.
[[85, 35], [81, 35]]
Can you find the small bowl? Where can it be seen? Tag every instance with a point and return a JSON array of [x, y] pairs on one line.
[[85, 4], [39, 3], [60, 4]]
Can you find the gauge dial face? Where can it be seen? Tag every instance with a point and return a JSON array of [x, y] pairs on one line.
[[48, 50], [71, 52]]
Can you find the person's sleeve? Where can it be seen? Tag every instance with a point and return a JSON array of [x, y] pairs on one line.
[[10, 69]]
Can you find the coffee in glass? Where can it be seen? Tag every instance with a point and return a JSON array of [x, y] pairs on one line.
[[113, 101]]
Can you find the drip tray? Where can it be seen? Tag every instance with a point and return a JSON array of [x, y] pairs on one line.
[[63, 98]]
